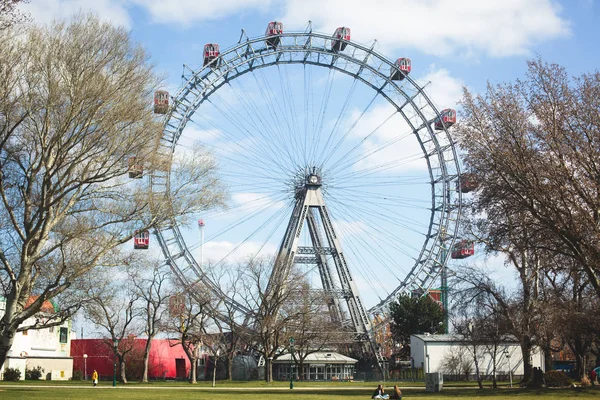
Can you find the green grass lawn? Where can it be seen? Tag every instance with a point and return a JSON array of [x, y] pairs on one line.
[[175, 392]]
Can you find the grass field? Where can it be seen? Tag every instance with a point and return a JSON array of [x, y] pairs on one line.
[[74, 390]]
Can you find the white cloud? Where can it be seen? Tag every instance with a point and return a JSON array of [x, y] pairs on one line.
[[390, 144], [189, 11], [255, 201], [441, 27], [44, 11], [234, 252], [444, 90], [194, 134]]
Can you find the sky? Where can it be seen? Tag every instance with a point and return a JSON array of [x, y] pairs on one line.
[[452, 44]]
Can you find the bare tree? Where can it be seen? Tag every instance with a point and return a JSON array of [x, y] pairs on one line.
[[230, 327], [475, 343], [457, 363], [75, 106], [113, 306], [486, 315], [271, 331], [188, 321], [154, 293], [311, 324], [10, 13], [534, 144]]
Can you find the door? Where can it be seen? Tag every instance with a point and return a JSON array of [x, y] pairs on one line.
[[180, 368]]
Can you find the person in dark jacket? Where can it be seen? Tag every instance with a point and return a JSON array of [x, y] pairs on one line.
[[397, 395], [379, 393]]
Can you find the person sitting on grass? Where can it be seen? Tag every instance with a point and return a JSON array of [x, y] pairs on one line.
[[379, 393], [397, 393]]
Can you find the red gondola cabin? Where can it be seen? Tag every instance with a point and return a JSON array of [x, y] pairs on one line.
[[141, 240], [467, 183], [463, 249], [161, 102], [274, 29], [446, 119], [400, 69], [211, 52], [340, 39], [136, 169]]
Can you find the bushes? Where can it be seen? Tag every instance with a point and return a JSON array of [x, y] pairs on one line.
[[77, 375], [34, 374], [557, 379], [12, 374]]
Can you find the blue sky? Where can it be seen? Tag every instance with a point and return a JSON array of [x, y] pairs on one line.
[[474, 40], [451, 43]]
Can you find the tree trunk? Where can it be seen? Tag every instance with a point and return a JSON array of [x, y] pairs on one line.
[[269, 370], [476, 362], [214, 380], [526, 352], [123, 372], [579, 366], [230, 367], [193, 370], [494, 381], [6, 341], [548, 361], [146, 356]]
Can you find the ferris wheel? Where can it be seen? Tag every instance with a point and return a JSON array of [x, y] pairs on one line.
[[335, 159]]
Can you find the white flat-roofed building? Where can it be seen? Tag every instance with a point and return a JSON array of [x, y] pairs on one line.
[[429, 352], [48, 348], [319, 366]]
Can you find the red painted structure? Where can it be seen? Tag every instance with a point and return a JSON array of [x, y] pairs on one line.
[[340, 38], [141, 240], [211, 52], [167, 358], [400, 69], [446, 119], [274, 29], [463, 249]]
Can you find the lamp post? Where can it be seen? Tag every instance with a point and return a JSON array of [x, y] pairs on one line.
[[507, 354], [85, 367], [291, 363], [115, 344]]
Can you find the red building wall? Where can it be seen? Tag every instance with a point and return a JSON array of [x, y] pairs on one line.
[[100, 356]]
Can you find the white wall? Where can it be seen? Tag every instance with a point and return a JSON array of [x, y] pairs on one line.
[[33, 345], [437, 351]]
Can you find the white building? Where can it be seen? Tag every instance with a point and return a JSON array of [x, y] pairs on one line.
[[429, 352], [49, 348], [318, 366]]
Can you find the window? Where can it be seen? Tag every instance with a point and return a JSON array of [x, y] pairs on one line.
[[63, 335], [24, 333]]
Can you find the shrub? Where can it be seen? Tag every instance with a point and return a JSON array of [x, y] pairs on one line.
[[34, 373], [12, 374], [557, 379], [77, 375]]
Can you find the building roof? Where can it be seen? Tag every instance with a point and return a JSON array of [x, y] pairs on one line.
[[454, 338], [328, 357], [48, 306]]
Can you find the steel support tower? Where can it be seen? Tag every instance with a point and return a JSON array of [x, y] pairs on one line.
[[339, 286]]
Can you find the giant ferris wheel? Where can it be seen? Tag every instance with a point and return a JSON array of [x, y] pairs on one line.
[[336, 161]]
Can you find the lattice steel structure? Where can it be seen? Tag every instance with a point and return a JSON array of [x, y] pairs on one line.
[[368, 67]]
